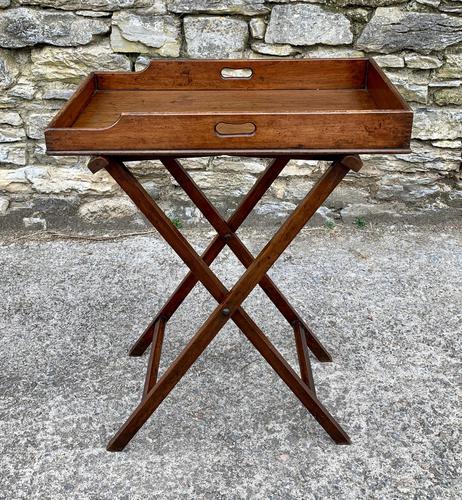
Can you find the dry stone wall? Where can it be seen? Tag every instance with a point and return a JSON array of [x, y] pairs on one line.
[[47, 46]]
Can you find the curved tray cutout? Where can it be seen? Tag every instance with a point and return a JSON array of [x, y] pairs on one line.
[[228, 129]]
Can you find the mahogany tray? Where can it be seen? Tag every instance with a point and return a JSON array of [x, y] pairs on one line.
[[269, 107]]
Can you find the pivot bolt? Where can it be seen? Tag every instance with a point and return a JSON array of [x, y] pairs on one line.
[[225, 311]]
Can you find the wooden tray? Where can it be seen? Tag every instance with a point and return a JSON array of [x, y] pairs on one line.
[[186, 107]]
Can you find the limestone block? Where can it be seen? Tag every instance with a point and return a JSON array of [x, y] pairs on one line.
[[10, 118], [411, 87], [215, 37], [389, 61], [51, 63], [24, 89], [303, 24], [13, 180], [422, 62], [238, 165], [221, 184], [23, 27], [437, 123], [450, 6], [4, 204], [12, 154], [452, 67], [11, 134], [9, 70], [146, 34], [413, 188], [331, 52], [392, 30], [368, 3], [36, 124], [243, 7], [92, 13], [103, 5], [424, 158], [107, 208], [45, 180], [449, 96], [276, 49], [257, 27]]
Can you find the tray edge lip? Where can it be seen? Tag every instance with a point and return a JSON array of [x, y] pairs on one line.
[[228, 152], [231, 61]]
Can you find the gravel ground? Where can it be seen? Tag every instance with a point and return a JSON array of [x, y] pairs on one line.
[[386, 301]]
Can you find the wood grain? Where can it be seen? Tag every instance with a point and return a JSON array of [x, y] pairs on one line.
[[334, 131], [230, 301], [106, 107], [306, 106], [76, 104], [267, 74]]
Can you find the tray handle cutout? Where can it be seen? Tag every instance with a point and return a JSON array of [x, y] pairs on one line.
[[225, 129], [236, 73]]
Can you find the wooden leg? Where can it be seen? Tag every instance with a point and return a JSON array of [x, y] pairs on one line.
[[154, 359], [229, 305], [219, 224], [303, 357], [300, 389], [239, 249], [189, 355], [226, 231], [213, 250]]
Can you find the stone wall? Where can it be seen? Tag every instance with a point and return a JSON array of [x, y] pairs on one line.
[[47, 46]]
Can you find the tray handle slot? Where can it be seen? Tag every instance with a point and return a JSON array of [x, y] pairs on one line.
[[225, 129], [236, 73]]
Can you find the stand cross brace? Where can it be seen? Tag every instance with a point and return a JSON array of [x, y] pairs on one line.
[[229, 302], [213, 250]]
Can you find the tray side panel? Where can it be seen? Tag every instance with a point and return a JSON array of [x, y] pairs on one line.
[[266, 74], [382, 91], [76, 104], [326, 131]]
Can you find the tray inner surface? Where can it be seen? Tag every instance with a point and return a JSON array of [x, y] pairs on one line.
[[105, 106]]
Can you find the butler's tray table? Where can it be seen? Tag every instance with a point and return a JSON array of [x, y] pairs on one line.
[[318, 109]]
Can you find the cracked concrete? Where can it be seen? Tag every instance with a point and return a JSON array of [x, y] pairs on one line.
[[386, 301]]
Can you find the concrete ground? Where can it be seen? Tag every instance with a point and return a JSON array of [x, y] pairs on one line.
[[386, 301]]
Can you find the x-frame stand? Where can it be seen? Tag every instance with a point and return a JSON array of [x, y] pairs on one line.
[[229, 301]]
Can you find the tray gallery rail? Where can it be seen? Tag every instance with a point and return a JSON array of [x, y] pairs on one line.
[[183, 106]]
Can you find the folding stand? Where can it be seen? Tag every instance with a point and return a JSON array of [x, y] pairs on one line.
[[229, 301]]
